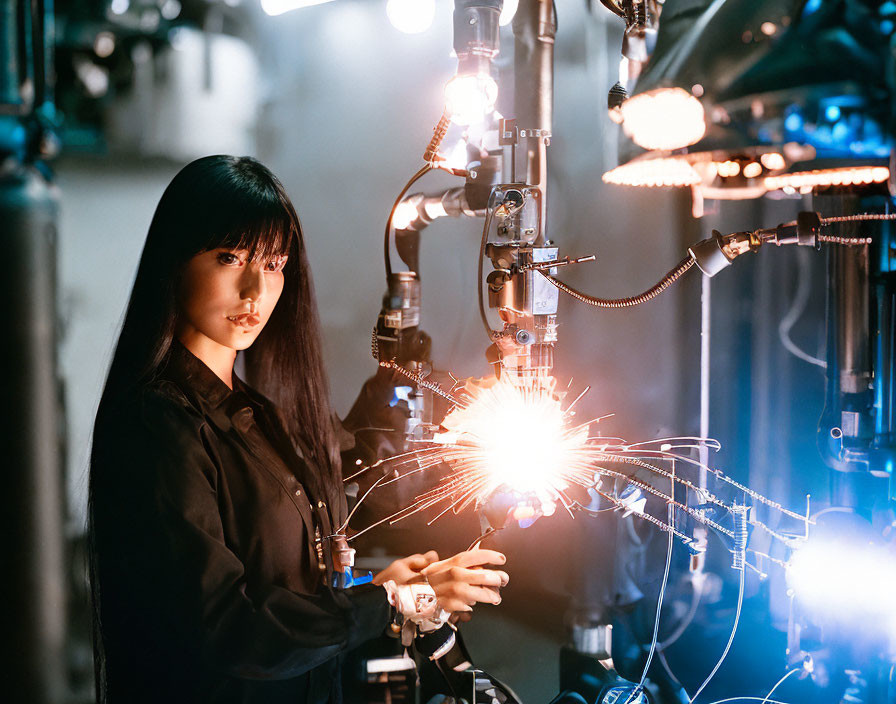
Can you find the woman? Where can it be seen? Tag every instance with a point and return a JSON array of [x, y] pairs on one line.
[[211, 507]]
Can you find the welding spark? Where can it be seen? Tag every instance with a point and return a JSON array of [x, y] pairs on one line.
[[516, 447], [515, 438]]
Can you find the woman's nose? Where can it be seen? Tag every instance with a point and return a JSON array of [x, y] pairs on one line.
[[252, 283]]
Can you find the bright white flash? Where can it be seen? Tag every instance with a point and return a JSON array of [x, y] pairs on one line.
[[517, 439], [849, 579], [470, 98], [666, 118]]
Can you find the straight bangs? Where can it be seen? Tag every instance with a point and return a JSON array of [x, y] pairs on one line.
[[265, 230]]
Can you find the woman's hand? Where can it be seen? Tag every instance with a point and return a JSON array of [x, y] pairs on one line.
[[459, 582], [407, 569]]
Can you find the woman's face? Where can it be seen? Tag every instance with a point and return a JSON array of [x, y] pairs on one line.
[[226, 299]]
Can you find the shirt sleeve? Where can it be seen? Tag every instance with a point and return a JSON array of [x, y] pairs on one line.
[[268, 632]]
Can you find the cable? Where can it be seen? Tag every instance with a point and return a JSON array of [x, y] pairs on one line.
[[420, 381], [351, 513], [779, 683], [487, 534], [647, 295], [387, 238], [488, 221], [696, 594], [859, 217], [797, 307], [740, 601], [659, 608], [662, 658], [739, 699], [670, 514]]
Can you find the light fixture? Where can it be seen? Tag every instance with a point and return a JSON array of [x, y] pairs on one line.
[[752, 169], [411, 16], [278, 7], [670, 171], [727, 169], [470, 99], [773, 161], [846, 176], [470, 96], [665, 118]]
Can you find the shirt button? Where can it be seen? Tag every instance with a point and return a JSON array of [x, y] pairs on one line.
[[298, 492], [320, 504]]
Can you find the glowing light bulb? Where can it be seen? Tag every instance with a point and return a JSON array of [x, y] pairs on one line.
[[405, 214], [667, 118], [507, 12], [654, 173], [773, 161], [752, 170], [829, 177], [470, 99], [411, 16], [727, 169]]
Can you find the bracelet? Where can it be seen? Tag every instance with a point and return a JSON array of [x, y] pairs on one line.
[[417, 603]]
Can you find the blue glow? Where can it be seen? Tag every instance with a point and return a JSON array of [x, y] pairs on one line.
[[854, 580], [886, 27], [840, 132], [402, 393], [793, 122], [839, 127], [811, 6]]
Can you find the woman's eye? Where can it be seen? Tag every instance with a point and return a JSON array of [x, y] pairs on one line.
[[228, 258], [276, 264]]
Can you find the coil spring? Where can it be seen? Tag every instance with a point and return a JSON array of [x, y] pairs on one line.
[[848, 241], [438, 134], [741, 534]]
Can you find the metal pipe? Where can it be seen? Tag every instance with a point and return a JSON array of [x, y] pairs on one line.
[[10, 77], [533, 29], [33, 593]]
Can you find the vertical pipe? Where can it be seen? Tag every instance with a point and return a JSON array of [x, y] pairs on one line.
[[33, 591], [32, 504], [533, 29], [10, 72], [705, 331]]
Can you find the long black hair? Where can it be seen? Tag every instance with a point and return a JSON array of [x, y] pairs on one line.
[[236, 203]]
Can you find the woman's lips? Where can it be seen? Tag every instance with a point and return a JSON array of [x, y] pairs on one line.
[[245, 320]]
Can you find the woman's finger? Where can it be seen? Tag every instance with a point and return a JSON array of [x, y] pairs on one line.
[[472, 594], [478, 577], [469, 558], [418, 562], [455, 605]]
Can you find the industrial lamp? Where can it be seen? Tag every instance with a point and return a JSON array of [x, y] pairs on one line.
[[470, 96]]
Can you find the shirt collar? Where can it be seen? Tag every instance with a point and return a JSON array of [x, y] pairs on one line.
[[192, 375]]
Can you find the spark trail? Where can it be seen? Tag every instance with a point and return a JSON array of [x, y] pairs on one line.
[[518, 444]]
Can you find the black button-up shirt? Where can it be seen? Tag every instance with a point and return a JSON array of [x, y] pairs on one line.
[[209, 576]]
